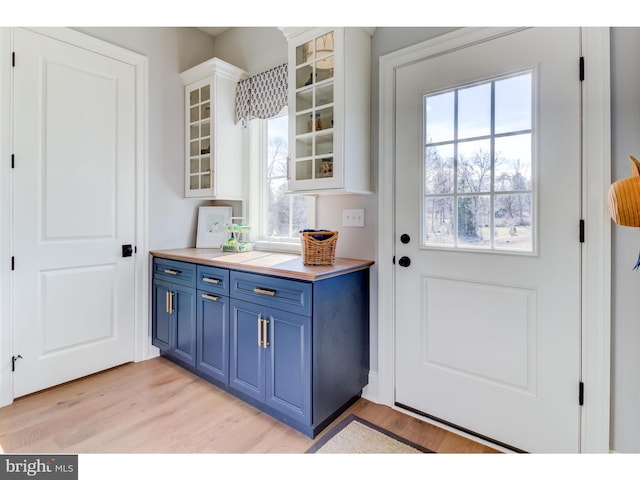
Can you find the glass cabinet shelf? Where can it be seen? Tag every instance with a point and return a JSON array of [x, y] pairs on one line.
[[329, 109], [213, 141]]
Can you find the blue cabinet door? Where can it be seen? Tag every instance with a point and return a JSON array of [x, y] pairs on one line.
[[174, 320], [184, 312], [213, 336], [246, 362], [277, 371], [161, 320], [288, 365]]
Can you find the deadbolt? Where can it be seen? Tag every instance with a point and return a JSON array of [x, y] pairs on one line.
[[404, 238]]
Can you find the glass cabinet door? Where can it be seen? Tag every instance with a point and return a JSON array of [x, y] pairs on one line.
[[200, 171], [314, 104]]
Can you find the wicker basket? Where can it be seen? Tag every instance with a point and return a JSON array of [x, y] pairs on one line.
[[317, 251]]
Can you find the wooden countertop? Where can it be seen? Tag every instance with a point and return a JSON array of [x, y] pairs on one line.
[[270, 263]]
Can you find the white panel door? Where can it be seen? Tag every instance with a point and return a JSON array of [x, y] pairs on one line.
[[488, 192], [73, 209]]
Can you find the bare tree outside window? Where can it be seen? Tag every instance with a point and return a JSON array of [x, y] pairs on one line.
[[285, 214]]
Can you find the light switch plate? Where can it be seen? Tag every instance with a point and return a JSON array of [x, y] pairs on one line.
[[353, 217]]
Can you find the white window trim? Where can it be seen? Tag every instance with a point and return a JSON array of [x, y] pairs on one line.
[[257, 146]]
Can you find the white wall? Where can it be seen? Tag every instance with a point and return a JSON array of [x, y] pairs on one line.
[[172, 218], [625, 298]]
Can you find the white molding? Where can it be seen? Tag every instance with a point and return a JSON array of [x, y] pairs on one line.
[[6, 335], [596, 266], [142, 348], [213, 66], [291, 32], [596, 349]]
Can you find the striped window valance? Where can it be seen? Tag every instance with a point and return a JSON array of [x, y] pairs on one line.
[[262, 96]]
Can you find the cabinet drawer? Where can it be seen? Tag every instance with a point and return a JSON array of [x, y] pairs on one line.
[[212, 279], [173, 271], [288, 295]]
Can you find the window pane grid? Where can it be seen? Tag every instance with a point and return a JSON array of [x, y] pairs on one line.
[[477, 190]]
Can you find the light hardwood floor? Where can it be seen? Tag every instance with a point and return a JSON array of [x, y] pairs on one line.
[[158, 407]]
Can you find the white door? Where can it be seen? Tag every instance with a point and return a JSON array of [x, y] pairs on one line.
[[488, 192], [73, 209]]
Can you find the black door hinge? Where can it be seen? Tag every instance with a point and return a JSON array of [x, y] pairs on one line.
[[13, 362], [13, 59], [581, 231], [394, 260], [13, 161], [582, 69], [13, 263], [581, 394]]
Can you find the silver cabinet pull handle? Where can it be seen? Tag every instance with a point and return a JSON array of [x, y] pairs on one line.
[[209, 297], [259, 330], [171, 272], [263, 291], [215, 281], [171, 302], [166, 301]]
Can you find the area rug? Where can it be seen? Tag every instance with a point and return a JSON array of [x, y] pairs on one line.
[[356, 435]]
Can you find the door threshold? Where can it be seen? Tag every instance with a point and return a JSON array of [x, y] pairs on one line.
[[465, 432]]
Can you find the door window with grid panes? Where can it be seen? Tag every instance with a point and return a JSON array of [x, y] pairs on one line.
[[478, 164]]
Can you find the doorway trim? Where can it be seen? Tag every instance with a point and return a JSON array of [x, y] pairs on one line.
[[141, 269], [596, 260]]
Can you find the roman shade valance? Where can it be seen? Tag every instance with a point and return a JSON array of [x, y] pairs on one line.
[[262, 95]]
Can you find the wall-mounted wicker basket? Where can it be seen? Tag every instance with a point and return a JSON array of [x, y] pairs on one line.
[[319, 247]]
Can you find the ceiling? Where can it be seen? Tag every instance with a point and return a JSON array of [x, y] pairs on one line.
[[213, 31]]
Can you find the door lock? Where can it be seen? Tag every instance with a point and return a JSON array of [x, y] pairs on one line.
[[404, 261], [127, 250], [404, 238]]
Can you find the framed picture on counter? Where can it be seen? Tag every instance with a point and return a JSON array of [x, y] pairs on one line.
[[211, 221]]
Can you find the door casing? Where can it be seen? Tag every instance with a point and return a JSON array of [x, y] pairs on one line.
[[140, 63], [596, 266]]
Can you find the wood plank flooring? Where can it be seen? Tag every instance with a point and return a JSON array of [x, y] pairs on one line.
[[157, 407]]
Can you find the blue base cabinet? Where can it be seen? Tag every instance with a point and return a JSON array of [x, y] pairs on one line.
[[174, 311], [271, 358], [298, 350], [212, 334]]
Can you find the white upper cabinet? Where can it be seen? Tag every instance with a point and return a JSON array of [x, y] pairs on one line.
[[213, 141], [329, 110]]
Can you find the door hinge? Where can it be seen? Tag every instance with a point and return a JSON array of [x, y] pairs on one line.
[[13, 362], [581, 394], [13, 59], [394, 260], [13, 161], [582, 69], [581, 231], [13, 263]]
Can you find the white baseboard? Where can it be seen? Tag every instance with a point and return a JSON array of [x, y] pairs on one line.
[[370, 391]]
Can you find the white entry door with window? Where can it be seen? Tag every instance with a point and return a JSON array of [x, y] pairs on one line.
[[488, 295], [74, 141]]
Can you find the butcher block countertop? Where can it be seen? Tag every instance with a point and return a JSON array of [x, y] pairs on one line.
[[270, 263]]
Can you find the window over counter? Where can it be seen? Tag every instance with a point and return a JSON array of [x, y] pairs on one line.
[[276, 216]]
